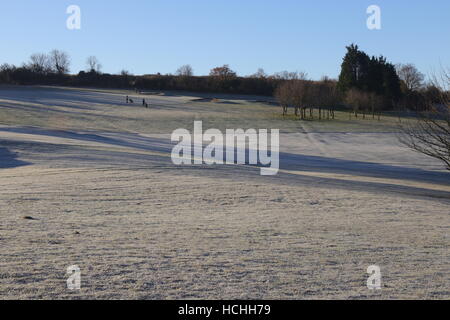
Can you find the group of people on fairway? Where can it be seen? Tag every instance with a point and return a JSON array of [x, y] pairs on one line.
[[144, 103]]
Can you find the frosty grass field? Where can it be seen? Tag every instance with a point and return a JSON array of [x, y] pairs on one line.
[[87, 180]]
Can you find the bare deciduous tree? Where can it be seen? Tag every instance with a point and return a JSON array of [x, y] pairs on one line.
[[301, 96], [362, 101], [185, 71], [429, 133], [124, 73], [283, 94], [357, 100], [60, 61], [325, 96], [301, 93], [293, 93], [40, 63], [411, 77], [93, 65], [286, 75], [260, 74]]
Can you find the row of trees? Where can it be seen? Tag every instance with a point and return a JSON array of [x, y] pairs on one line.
[[375, 83], [54, 62], [57, 62], [372, 82], [53, 69], [365, 85], [369, 74], [368, 84], [42, 68], [301, 94]]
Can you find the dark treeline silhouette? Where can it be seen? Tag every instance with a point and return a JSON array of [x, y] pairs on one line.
[[371, 84], [371, 75], [52, 69], [212, 84], [238, 85], [24, 76], [301, 94], [368, 84], [365, 85]]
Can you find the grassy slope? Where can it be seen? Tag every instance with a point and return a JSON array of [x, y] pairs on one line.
[[140, 227]]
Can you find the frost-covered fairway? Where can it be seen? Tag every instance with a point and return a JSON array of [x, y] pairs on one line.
[[95, 175]]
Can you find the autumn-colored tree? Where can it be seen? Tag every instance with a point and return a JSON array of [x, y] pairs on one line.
[[223, 73]]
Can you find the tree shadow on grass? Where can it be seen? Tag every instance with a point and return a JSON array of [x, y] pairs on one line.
[[9, 159], [296, 167]]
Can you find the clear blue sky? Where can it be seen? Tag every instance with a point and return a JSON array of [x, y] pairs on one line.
[[149, 36]]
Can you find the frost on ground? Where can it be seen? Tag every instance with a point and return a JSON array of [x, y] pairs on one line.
[[87, 180]]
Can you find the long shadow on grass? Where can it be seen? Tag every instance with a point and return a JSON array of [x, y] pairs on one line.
[[9, 159], [78, 156], [288, 161]]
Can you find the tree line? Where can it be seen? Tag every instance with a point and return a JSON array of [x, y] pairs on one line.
[[302, 94], [365, 84], [53, 69]]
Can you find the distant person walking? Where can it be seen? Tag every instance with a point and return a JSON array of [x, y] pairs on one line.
[[143, 102], [127, 99]]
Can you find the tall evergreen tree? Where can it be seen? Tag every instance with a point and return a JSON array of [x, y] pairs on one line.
[[391, 83], [354, 69], [370, 74]]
